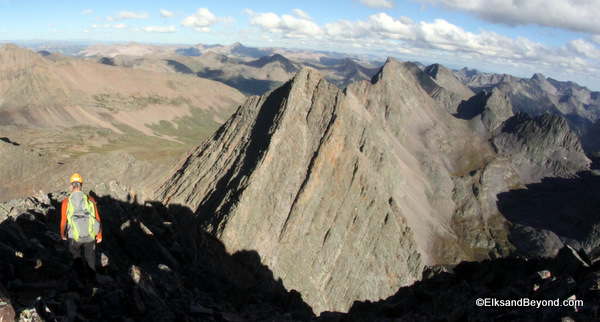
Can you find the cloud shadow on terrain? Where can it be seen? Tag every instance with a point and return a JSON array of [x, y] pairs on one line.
[[248, 86], [155, 263], [472, 107]]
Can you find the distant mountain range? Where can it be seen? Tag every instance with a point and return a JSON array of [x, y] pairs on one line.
[[539, 95], [64, 108], [254, 71]]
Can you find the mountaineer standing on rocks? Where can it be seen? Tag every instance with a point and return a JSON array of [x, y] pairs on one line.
[[80, 219]]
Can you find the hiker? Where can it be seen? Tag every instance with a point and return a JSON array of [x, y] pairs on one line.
[[80, 219]]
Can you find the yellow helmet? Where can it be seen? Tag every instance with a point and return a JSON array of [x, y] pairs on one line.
[[76, 178]]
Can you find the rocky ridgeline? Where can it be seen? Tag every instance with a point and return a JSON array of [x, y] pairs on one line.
[[154, 264], [309, 178]]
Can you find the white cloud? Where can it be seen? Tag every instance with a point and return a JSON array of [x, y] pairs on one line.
[[584, 48], [129, 15], [166, 13], [289, 25], [203, 20], [577, 15], [301, 14], [168, 29], [378, 4], [596, 39], [437, 41], [86, 11]]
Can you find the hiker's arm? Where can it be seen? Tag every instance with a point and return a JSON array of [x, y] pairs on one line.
[[63, 218]]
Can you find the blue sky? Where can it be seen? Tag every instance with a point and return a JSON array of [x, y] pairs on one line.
[[559, 38]]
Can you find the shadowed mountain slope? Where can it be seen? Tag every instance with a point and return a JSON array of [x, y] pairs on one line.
[[156, 264]]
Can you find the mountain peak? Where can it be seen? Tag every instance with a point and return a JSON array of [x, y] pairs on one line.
[[14, 50], [539, 76], [13, 57], [237, 44], [288, 65], [446, 79], [391, 66]]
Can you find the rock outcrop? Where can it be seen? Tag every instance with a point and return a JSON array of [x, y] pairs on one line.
[[446, 79], [544, 143], [491, 109]]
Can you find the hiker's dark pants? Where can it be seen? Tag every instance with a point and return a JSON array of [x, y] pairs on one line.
[[89, 249]]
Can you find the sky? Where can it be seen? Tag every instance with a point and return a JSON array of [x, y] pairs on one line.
[[558, 38]]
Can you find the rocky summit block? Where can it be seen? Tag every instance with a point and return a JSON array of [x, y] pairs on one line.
[[338, 191]]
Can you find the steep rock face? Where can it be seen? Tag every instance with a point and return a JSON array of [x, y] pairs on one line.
[[336, 191], [497, 110]]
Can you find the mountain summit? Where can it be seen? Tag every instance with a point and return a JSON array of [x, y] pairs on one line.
[[323, 182], [301, 174], [346, 195]]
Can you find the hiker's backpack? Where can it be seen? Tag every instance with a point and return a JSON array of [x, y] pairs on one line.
[[81, 217]]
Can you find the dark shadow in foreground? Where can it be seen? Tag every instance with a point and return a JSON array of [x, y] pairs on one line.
[[155, 263]]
